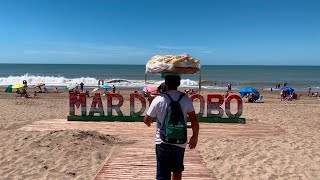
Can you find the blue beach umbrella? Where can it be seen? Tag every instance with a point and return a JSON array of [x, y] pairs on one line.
[[288, 90], [246, 90], [105, 86]]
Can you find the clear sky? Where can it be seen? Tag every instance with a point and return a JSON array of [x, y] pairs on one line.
[[227, 32]]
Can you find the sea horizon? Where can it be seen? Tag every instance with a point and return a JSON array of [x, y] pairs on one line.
[[146, 61]]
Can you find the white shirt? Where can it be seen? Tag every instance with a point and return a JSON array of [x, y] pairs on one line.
[[159, 106]]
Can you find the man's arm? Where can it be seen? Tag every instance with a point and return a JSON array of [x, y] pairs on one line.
[[195, 130], [147, 120]]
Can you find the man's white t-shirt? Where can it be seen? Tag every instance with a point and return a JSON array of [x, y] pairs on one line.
[[159, 106]]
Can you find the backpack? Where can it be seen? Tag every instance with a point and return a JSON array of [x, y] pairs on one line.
[[173, 129]]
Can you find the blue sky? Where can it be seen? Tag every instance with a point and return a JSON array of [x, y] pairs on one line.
[[218, 32]]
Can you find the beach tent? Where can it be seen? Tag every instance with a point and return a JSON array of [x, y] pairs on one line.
[[288, 90], [246, 90], [9, 89]]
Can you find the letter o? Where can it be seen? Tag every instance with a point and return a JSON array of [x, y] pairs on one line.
[[239, 108], [198, 96]]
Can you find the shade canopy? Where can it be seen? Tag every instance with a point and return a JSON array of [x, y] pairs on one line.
[[18, 86], [72, 86], [150, 89], [246, 90], [288, 90], [105, 86]]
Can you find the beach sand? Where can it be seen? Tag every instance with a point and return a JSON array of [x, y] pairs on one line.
[[69, 154]]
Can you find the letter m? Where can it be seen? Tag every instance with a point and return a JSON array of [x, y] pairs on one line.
[[74, 101]]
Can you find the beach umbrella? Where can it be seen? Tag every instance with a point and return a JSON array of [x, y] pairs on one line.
[[72, 86], [246, 90], [288, 90], [105, 86], [39, 85], [95, 89], [150, 89], [18, 86]]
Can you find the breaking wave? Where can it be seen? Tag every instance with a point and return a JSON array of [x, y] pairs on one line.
[[88, 81]]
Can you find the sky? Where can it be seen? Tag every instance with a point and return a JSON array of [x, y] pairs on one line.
[[217, 32]]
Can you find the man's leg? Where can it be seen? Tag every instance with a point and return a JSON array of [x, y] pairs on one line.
[[178, 166], [176, 176], [164, 158]]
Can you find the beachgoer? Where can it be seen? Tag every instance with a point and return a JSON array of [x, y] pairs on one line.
[[250, 98], [170, 156], [113, 89], [229, 87], [87, 93], [25, 83], [309, 90], [45, 89], [101, 81], [24, 93], [55, 90], [283, 95], [81, 86], [226, 94], [162, 88], [35, 94]]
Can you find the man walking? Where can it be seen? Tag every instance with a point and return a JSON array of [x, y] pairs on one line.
[[170, 154]]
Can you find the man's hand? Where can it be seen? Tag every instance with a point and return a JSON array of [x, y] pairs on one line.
[[195, 129], [147, 120], [193, 142]]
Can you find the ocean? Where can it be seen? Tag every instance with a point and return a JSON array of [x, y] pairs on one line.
[[213, 76]]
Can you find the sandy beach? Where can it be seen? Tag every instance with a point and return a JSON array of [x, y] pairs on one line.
[[76, 154]]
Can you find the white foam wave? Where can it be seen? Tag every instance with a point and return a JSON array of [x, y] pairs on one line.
[[88, 81], [48, 80]]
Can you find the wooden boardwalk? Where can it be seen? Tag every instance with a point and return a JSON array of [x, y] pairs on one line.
[[137, 160]]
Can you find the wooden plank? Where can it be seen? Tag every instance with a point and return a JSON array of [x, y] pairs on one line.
[[139, 162]]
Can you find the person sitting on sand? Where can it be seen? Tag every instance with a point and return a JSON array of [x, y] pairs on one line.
[[35, 94], [55, 90], [316, 94], [250, 98], [45, 90]]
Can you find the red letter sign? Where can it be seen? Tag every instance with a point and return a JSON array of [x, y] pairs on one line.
[[116, 107], [198, 96], [96, 100], [211, 106], [74, 101], [132, 104], [227, 104]]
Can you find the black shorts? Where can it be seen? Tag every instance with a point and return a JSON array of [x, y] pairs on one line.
[[169, 159]]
